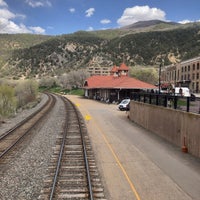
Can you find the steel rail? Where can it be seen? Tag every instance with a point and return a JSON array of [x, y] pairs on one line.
[[50, 100], [53, 188], [85, 154], [59, 160], [4, 135]]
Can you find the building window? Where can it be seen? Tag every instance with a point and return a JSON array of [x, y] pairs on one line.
[[197, 87], [193, 66], [182, 69], [185, 68], [188, 68], [193, 86], [188, 77], [197, 75], [178, 75], [193, 76], [197, 65]]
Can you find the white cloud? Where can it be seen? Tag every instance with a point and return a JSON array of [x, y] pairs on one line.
[[21, 16], [3, 3], [72, 10], [105, 21], [90, 28], [50, 27], [37, 30], [4, 13], [7, 24], [140, 13], [186, 21], [89, 12], [41, 3]]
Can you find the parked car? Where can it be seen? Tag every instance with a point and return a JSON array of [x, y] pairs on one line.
[[124, 105]]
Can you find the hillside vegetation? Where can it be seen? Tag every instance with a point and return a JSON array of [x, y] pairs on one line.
[[10, 42], [142, 44]]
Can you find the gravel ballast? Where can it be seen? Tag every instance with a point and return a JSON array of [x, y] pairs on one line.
[[23, 176]]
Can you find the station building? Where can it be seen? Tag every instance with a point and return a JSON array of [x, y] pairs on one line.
[[114, 87]]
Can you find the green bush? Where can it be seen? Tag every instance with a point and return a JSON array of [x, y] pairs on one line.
[[7, 101]]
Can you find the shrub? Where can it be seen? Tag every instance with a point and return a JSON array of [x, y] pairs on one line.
[[26, 91], [7, 101]]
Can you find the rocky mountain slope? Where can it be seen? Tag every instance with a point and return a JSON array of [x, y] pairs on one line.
[[144, 43]]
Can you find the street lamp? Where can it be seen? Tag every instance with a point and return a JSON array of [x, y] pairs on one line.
[[159, 77], [159, 82]]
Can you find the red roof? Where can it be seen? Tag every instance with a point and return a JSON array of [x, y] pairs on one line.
[[123, 67], [114, 69], [123, 82]]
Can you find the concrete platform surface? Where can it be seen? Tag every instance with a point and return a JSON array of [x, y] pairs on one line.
[[135, 164]]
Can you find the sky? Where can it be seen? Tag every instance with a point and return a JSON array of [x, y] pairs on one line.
[[57, 17]]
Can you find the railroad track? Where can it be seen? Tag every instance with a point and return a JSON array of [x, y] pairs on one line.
[[11, 138], [72, 172]]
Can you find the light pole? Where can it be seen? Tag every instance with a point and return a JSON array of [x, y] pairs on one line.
[[159, 77], [159, 81]]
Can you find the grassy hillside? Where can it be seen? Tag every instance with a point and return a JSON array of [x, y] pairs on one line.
[[143, 45], [10, 42]]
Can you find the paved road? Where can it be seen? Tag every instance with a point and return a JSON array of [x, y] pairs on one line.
[[134, 163]]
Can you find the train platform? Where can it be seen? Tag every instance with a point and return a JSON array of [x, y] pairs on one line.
[[134, 163]]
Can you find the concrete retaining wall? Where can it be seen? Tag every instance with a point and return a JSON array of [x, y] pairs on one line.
[[173, 125]]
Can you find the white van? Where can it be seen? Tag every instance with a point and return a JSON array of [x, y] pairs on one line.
[[182, 91]]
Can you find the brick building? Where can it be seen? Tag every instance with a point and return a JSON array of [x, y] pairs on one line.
[[185, 74], [98, 70]]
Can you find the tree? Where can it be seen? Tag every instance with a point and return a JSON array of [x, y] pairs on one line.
[[26, 91], [47, 82], [74, 79], [149, 75], [7, 101]]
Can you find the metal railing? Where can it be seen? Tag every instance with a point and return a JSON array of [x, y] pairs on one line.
[[188, 104]]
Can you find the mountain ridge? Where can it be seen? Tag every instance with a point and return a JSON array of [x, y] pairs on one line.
[[145, 24], [62, 54]]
